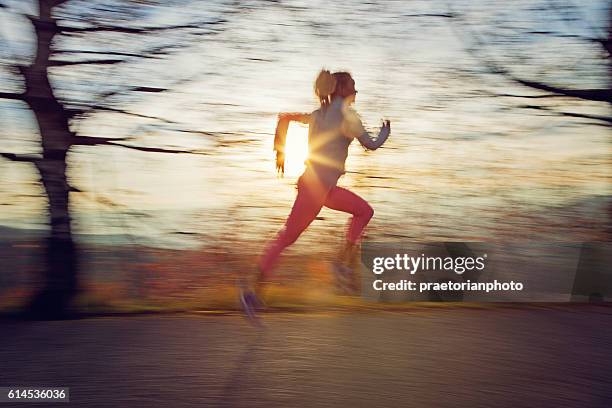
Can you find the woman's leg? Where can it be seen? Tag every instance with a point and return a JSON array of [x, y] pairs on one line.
[[307, 205], [341, 199]]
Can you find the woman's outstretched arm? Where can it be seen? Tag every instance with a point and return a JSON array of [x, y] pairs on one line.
[[353, 128], [280, 135], [372, 144]]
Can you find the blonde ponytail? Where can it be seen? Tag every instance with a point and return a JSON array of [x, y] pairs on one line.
[[325, 85]]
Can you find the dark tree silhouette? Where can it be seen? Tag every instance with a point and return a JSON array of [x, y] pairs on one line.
[[510, 50], [58, 117]]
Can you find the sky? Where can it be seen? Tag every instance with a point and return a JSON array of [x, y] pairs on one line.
[[459, 163]]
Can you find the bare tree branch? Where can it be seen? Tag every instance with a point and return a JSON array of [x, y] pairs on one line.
[[563, 35], [606, 119], [155, 149], [11, 95], [20, 157], [443, 15], [148, 89], [163, 50], [121, 111], [109, 141], [56, 63], [91, 108], [600, 95], [506, 95], [94, 140], [150, 53], [133, 30], [200, 132], [118, 54], [55, 3]]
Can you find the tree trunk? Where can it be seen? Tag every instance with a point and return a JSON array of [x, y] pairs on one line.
[[60, 285]]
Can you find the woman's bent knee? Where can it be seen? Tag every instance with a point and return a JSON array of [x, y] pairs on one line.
[[369, 212]]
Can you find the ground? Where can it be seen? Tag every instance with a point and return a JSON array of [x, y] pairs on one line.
[[456, 357]]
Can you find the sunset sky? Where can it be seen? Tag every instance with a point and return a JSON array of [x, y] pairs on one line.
[[459, 163]]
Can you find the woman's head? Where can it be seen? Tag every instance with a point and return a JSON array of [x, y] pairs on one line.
[[345, 86], [329, 86]]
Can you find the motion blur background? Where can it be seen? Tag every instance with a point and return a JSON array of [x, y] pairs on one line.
[[500, 115]]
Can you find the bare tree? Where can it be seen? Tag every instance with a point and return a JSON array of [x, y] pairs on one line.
[[565, 52], [56, 25]]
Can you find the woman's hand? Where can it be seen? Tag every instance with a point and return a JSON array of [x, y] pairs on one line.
[[279, 141], [280, 162], [386, 126]]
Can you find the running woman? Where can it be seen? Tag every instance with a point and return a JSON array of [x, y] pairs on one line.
[[331, 129]]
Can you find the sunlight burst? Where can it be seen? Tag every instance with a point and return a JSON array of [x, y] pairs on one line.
[[296, 149]]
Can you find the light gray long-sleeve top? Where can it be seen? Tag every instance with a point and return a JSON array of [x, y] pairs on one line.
[[331, 131]]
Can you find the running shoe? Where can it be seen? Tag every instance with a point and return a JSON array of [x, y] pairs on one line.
[[250, 304], [344, 278]]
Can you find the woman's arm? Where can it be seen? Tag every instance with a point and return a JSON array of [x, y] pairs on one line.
[[295, 116], [372, 144], [353, 128], [280, 135]]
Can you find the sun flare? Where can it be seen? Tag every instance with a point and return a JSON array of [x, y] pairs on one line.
[[296, 149]]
